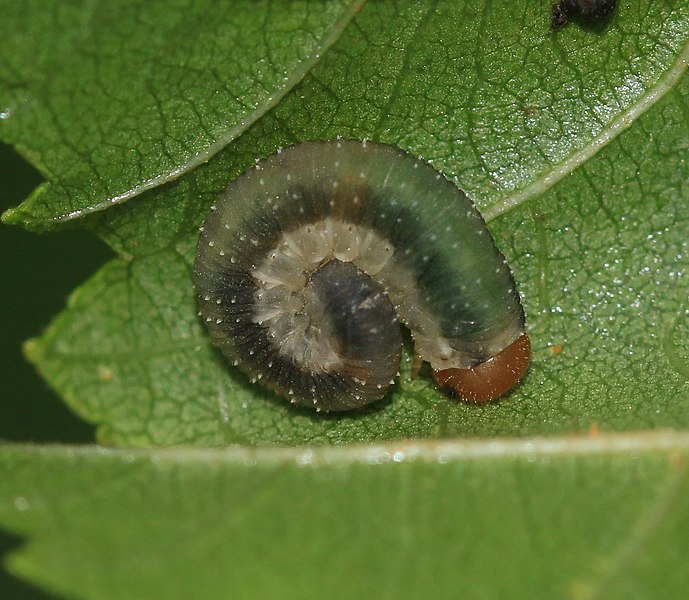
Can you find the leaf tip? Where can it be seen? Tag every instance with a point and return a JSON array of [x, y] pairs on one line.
[[33, 350]]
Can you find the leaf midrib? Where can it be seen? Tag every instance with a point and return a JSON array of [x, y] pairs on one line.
[[399, 452]]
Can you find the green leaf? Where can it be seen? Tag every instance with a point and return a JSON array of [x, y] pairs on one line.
[[140, 93], [585, 518], [577, 141], [574, 144]]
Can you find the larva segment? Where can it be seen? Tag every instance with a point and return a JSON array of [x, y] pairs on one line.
[[408, 244]]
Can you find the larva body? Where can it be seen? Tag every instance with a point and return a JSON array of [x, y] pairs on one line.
[[308, 262]]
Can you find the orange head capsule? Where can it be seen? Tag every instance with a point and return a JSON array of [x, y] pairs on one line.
[[492, 378]]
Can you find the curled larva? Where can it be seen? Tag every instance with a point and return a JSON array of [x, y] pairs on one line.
[[309, 262]]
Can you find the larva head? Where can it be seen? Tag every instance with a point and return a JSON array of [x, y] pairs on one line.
[[492, 378]]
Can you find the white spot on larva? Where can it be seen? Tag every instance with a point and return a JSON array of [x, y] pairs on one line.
[[362, 175], [218, 321], [221, 252], [211, 243], [218, 301], [227, 225], [289, 176], [202, 229], [207, 298], [337, 164], [233, 259], [214, 207], [335, 184], [262, 181]]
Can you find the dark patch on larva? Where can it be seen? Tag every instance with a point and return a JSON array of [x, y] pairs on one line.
[[404, 231], [590, 11]]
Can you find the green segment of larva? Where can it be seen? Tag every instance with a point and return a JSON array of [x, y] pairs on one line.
[[308, 261]]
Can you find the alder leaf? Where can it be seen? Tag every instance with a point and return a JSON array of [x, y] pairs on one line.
[[574, 144], [574, 147]]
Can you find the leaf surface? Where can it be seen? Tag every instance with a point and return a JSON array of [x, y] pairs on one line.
[[576, 141], [574, 147], [581, 518]]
